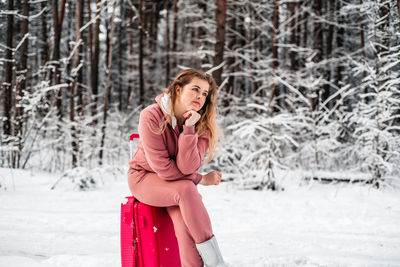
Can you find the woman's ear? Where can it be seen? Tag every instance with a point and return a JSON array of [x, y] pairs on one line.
[[177, 89]]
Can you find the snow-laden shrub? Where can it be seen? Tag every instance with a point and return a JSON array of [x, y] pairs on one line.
[[83, 179], [376, 115]]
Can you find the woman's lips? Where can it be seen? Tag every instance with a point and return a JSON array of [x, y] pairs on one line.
[[197, 103]]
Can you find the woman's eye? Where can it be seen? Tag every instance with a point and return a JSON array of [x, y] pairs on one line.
[[196, 89], [205, 94]]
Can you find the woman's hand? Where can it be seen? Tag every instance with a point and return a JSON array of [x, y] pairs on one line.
[[191, 117], [211, 178]]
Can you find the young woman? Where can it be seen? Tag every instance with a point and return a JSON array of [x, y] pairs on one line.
[[175, 133]]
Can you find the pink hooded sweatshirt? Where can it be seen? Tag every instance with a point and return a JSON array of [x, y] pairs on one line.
[[173, 155]]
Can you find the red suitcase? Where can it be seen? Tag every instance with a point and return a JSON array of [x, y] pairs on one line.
[[147, 235]]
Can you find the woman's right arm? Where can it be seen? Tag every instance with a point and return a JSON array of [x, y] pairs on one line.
[[156, 151]]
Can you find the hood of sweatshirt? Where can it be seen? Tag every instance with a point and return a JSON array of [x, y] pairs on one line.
[[164, 101]]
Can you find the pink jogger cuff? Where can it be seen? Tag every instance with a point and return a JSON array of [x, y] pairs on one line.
[[197, 178], [188, 129]]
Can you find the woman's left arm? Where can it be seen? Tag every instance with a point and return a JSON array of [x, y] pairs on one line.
[[191, 150]]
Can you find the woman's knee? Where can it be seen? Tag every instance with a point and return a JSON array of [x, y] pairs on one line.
[[186, 189]]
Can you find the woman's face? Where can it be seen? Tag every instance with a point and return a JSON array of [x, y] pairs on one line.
[[193, 95]]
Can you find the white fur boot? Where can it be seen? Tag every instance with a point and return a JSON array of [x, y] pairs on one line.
[[210, 253]]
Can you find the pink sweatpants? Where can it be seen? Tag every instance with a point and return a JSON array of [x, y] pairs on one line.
[[184, 205]]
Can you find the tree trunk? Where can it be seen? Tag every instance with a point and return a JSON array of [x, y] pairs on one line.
[[231, 59], [94, 72], [294, 44], [220, 17], [298, 31], [240, 84], [145, 44], [120, 71], [317, 45], [292, 53], [24, 46], [167, 55], [69, 35], [108, 88], [398, 8], [274, 48], [339, 47], [363, 45], [253, 53], [303, 38], [90, 31], [105, 16], [261, 48], [75, 75], [84, 95], [82, 71], [175, 36], [58, 17], [274, 54], [305, 23], [7, 85], [201, 33], [141, 37], [45, 47], [154, 18], [130, 63], [21, 80], [317, 33], [383, 49], [329, 42]]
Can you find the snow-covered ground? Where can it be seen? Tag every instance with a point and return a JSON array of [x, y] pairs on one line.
[[314, 225]]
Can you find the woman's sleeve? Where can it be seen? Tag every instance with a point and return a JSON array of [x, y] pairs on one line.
[[191, 150], [156, 151]]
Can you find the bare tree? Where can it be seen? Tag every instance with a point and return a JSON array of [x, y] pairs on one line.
[[7, 85], [21, 80], [292, 53], [329, 43], [201, 32], [108, 88], [94, 70], [90, 39], [317, 45], [154, 16], [274, 49], [167, 64], [252, 51], [362, 41], [45, 47], [220, 17], [231, 41], [339, 46], [305, 6], [58, 17], [120, 48], [175, 35], [130, 68], [398, 8], [75, 75], [141, 53]]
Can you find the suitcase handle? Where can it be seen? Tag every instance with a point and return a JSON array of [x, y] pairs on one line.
[[132, 137]]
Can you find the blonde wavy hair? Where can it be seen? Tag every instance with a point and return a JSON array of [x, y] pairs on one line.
[[208, 112]]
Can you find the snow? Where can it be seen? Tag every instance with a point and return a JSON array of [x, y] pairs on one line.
[[304, 225]]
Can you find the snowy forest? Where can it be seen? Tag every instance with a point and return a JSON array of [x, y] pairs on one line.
[[307, 85], [308, 104]]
